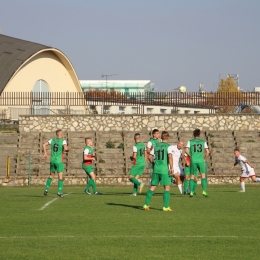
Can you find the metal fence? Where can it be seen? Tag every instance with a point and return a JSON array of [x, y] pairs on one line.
[[112, 97], [64, 101]]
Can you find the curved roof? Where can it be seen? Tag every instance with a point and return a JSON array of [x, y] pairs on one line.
[[13, 53]]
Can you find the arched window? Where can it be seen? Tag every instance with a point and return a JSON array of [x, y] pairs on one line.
[[41, 103]]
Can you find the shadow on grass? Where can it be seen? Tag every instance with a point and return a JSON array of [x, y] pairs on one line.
[[128, 206]]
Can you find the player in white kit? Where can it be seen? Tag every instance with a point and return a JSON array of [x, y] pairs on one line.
[[176, 151], [246, 167]]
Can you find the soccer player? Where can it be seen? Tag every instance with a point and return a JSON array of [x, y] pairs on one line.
[[161, 156], [186, 185], [198, 151], [88, 158], [58, 146], [246, 167], [176, 151], [151, 144], [139, 163]]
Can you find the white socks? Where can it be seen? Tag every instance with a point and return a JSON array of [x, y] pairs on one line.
[[180, 188], [242, 186], [257, 179]]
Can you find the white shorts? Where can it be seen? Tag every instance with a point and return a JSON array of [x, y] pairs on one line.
[[249, 174], [178, 169]]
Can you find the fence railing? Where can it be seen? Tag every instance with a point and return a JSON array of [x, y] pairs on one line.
[[64, 99]]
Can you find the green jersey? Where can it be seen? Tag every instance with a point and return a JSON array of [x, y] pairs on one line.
[[161, 161], [57, 149], [139, 149], [197, 148], [89, 152], [152, 143]]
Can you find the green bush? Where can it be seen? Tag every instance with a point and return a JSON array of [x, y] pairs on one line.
[[110, 144]]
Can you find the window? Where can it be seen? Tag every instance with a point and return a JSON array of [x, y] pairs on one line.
[[196, 112], [121, 110], [134, 110], [174, 111], [186, 111], [41, 101], [162, 111], [149, 110], [106, 109]]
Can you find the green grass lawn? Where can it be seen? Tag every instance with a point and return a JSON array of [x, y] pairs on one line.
[[113, 225]]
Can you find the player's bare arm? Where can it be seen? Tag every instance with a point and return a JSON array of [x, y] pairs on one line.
[[246, 161], [170, 163], [185, 161], [150, 158], [66, 148], [206, 153], [133, 157], [45, 155], [187, 151]]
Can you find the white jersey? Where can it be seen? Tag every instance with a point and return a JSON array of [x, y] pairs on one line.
[[176, 154], [245, 167]]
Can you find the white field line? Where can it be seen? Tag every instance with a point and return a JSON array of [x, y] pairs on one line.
[[33, 237], [48, 203]]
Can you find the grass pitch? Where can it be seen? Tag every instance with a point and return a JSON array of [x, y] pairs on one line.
[[114, 226]]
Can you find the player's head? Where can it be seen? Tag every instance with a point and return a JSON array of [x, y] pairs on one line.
[[155, 133], [165, 136], [137, 137], [180, 145], [88, 141], [59, 133], [236, 152], [196, 132]]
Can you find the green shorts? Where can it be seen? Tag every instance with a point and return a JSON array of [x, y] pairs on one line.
[[187, 170], [163, 179], [195, 166], [137, 170], [88, 169], [56, 167]]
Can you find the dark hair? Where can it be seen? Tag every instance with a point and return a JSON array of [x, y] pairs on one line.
[[136, 135], [58, 131], [155, 131], [165, 135], [87, 138], [196, 132], [236, 149]]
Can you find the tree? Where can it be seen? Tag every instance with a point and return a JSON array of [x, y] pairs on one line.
[[227, 85]]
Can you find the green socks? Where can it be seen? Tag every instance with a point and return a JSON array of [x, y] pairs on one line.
[[91, 183], [192, 184], [166, 198], [135, 188], [186, 185], [195, 186], [60, 186], [48, 183], [149, 195], [135, 181], [204, 184]]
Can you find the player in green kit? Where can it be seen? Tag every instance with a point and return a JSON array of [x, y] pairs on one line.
[[88, 158], [58, 146], [161, 157], [198, 151], [151, 144], [139, 160]]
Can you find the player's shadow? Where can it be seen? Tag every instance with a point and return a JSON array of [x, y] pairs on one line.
[[127, 206]]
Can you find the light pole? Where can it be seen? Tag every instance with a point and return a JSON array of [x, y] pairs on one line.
[[105, 75]]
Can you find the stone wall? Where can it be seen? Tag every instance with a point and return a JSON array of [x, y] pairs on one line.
[[122, 181], [137, 122]]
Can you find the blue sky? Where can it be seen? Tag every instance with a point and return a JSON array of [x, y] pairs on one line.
[[170, 42]]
